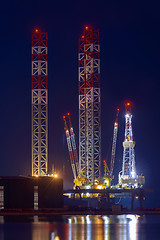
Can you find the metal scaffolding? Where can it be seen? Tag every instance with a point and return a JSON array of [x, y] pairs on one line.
[[39, 104], [89, 104]]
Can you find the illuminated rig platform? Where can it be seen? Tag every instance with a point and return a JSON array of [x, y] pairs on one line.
[[108, 194]]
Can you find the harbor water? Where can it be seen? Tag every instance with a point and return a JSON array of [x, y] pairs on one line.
[[90, 227]]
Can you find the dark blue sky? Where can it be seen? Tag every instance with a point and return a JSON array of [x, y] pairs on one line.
[[130, 59]]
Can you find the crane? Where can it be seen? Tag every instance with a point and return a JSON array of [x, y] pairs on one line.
[[69, 147], [107, 175], [114, 143], [73, 144]]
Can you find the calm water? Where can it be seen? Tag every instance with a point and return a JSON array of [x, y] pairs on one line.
[[123, 227]]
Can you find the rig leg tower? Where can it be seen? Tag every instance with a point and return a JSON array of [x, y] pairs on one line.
[[39, 104], [89, 105]]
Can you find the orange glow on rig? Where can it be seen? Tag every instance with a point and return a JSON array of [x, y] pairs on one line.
[[128, 104], [36, 30], [86, 27]]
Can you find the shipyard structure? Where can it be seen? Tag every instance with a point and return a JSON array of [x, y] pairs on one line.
[[87, 169], [44, 190]]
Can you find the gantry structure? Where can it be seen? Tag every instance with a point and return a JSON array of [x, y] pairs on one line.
[[89, 104], [39, 103]]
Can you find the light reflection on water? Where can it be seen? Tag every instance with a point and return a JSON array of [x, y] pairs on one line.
[[122, 227], [90, 227]]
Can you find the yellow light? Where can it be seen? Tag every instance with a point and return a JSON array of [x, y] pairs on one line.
[[87, 194], [99, 187], [55, 175], [56, 238], [36, 175]]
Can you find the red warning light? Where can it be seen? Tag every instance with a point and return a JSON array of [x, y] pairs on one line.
[[36, 30], [82, 36], [117, 109], [128, 104], [104, 161], [64, 117], [68, 114], [86, 27]]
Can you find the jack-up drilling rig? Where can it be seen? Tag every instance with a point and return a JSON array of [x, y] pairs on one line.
[[87, 170]]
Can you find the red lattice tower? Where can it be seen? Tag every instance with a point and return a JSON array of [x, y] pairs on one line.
[[39, 103], [89, 104]]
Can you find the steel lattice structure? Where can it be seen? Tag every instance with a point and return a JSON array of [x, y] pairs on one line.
[[39, 104], [89, 104], [128, 168]]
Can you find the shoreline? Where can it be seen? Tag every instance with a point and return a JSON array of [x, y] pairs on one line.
[[60, 212]]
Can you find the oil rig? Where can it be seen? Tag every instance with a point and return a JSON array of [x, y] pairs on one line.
[[87, 167], [42, 190]]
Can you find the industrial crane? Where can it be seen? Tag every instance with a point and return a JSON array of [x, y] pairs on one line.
[[114, 143], [73, 144], [69, 147], [107, 175]]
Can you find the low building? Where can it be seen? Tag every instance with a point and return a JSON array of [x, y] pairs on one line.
[[23, 192]]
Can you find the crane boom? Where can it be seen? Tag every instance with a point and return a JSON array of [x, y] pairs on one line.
[[114, 143], [73, 144], [69, 147]]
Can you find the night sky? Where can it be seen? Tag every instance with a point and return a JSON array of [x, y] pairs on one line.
[[130, 60]]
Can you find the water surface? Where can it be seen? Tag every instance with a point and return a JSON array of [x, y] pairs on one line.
[[90, 227]]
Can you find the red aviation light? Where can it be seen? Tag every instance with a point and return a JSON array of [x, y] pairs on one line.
[[104, 161], [128, 104], [118, 109], [86, 27], [64, 117], [36, 30], [68, 114], [83, 36]]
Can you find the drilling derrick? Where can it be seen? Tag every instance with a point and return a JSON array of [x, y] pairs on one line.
[[39, 104], [128, 176], [89, 104], [128, 168]]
